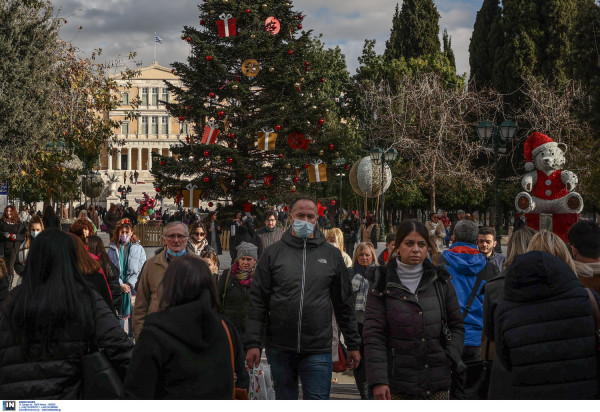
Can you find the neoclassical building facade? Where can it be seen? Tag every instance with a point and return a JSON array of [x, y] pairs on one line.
[[153, 131]]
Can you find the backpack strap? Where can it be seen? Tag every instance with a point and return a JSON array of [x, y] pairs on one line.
[[232, 357], [485, 271]]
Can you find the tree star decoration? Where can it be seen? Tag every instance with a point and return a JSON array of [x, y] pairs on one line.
[[321, 209], [247, 206]]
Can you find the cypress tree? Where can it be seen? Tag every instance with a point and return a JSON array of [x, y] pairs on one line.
[[487, 38], [447, 40], [415, 30]]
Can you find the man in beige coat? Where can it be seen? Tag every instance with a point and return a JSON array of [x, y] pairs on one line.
[[175, 236]]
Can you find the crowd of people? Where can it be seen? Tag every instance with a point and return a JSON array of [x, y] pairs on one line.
[[411, 320]]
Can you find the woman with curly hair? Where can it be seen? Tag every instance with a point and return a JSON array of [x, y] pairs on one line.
[[36, 226], [82, 228], [13, 234], [128, 255]]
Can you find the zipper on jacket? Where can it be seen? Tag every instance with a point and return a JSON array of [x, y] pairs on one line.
[[393, 366], [302, 294]]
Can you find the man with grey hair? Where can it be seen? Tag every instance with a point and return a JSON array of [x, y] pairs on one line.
[[175, 237], [460, 214], [470, 270]]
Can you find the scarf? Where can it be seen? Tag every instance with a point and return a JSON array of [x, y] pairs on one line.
[[360, 286], [124, 261], [244, 277]]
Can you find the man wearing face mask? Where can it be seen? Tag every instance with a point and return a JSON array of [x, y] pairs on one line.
[[297, 283], [175, 236], [269, 234]]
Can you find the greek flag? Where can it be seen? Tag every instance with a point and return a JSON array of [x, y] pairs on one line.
[[157, 39]]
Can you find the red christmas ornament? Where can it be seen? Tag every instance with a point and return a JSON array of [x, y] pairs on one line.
[[307, 68], [322, 80], [331, 147], [210, 204], [157, 189], [321, 121], [295, 180], [301, 17], [172, 70], [209, 58], [201, 22], [306, 165], [263, 198], [188, 39], [162, 163], [306, 63], [248, 176], [206, 180], [277, 127], [187, 139], [332, 203], [211, 95], [189, 107], [280, 155], [299, 27], [230, 160], [231, 135], [167, 107], [291, 52], [206, 154], [181, 118], [347, 167], [247, 11], [221, 113]]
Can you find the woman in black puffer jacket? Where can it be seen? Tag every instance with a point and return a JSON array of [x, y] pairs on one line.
[[406, 353], [544, 332], [48, 321]]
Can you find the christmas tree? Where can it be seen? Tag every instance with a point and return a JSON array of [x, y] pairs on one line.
[[259, 107]]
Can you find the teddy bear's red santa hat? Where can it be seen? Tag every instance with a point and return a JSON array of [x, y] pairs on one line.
[[535, 143]]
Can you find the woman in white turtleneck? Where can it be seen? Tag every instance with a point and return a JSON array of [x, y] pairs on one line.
[[409, 348]]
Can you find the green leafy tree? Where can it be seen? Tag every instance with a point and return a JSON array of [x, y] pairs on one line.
[[415, 30], [28, 46], [486, 40], [292, 86], [447, 41]]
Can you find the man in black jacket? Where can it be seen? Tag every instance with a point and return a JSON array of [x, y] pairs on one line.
[[297, 282]]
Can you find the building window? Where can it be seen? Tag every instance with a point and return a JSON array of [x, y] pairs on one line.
[[144, 96], [155, 96], [164, 125], [165, 95], [125, 98], [154, 125], [184, 128], [144, 124], [125, 128]]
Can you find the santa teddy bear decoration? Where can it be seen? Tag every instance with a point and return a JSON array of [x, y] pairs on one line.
[[548, 188]]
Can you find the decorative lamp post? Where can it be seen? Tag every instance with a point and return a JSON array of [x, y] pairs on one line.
[[496, 138], [382, 157]]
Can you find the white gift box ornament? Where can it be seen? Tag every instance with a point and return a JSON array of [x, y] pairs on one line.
[[317, 172], [266, 139]]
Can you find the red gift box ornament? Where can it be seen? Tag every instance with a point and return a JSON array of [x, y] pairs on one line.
[[266, 139], [226, 26], [210, 133]]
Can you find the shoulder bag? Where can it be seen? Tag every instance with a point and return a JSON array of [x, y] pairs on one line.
[[99, 378], [239, 394]]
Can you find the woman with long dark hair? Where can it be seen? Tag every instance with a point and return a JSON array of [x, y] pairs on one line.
[[413, 331], [48, 322], [183, 351], [50, 219], [13, 235], [36, 226], [97, 251]]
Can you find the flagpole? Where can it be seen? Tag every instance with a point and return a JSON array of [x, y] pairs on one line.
[[155, 46]]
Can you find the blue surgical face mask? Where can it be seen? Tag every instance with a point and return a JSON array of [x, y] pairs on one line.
[[125, 238], [176, 254], [34, 234], [303, 228]]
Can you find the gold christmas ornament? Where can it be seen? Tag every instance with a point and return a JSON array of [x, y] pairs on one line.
[[235, 87], [183, 37], [250, 68], [252, 36], [282, 108], [314, 107], [265, 7], [321, 152], [217, 158], [308, 122], [337, 154], [288, 5], [296, 85], [271, 69], [288, 166], [293, 188], [225, 1], [308, 185], [212, 12]]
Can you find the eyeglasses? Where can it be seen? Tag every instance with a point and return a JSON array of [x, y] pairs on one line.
[[271, 220], [173, 236], [199, 233]]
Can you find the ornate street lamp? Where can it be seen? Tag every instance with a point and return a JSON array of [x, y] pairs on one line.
[[496, 138], [381, 157]]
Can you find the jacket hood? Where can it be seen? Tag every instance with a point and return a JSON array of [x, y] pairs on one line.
[[192, 323], [298, 242], [537, 276], [465, 259]]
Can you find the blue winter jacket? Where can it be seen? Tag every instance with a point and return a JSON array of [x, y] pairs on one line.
[[137, 258], [464, 262]]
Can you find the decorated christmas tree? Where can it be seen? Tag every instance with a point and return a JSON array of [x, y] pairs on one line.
[[259, 108]]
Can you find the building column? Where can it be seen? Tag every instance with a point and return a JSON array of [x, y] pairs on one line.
[[128, 158], [139, 159], [109, 159], [170, 153], [149, 158], [118, 159]]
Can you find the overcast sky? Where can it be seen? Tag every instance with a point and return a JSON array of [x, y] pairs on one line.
[[121, 26]]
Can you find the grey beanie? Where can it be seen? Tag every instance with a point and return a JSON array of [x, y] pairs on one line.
[[466, 231], [247, 249]]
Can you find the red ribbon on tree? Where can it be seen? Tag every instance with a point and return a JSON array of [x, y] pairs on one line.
[[297, 140]]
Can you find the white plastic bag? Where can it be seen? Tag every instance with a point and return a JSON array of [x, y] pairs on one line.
[[258, 386], [269, 382]]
